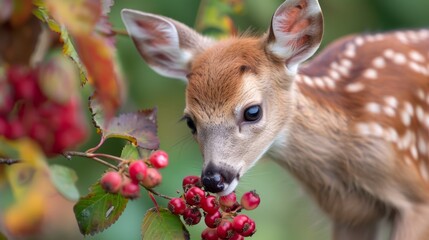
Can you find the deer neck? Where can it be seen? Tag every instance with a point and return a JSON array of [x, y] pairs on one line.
[[316, 139]]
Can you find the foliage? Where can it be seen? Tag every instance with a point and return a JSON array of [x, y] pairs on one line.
[[79, 30]]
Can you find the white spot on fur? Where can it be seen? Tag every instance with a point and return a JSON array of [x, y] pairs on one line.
[[409, 108], [391, 135], [422, 146], [402, 37], [308, 81], [391, 101], [379, 62], [350, 50], [389, 53], [329, 82], [334, 74], [416, 56], [373, 107], [420, 114], [389, 111], [370, 73], [355, 87], [319, 82], [346, 63], [420, 94], [405, 118], [399, 59], [359, 41]]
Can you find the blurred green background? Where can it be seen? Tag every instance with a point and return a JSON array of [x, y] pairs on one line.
[[285, 212]]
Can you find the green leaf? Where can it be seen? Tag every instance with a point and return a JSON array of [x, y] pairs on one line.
[[162, 224], [64, 180], [130, 152], [98, 210], [137, 127], [2, 236]]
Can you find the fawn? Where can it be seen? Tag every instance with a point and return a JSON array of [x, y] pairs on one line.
[[352, 125]]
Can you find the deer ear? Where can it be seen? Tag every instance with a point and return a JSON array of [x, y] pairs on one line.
[[296, 32], [166, 45]]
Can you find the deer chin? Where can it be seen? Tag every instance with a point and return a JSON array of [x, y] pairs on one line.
[[229, 188]]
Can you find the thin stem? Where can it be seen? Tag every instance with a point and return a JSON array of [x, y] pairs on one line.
[[91, 156], [157, 193], [9, 161], [118, 159], [105, 163], [121, 32], [91, 150]]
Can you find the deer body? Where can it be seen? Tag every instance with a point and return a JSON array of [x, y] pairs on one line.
[[352, 125]]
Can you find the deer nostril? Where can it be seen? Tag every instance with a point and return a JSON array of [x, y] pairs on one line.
[[213, 182]]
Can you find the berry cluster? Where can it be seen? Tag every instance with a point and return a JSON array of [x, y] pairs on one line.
[[133, 173], [220, 214], [25, 110]]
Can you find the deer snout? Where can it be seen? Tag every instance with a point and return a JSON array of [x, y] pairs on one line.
[[219, 180]]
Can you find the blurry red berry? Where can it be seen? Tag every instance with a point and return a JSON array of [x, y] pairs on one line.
[[152, 179], [159, 159], [209, 234], [213, 220], [130, 190], [249, 228], [3, 126], [250, 200], [111, 182], [236, 236], [225, 230], [190, 181], [239, 222], [228, 200], [192, 216], [194, 196], [210, 204], [177, 206], [137, 170], [14, 129]]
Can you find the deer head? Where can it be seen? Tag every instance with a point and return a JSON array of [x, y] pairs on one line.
[[240, 91]]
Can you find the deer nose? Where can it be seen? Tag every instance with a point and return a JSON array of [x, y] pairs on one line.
[[213, 181]]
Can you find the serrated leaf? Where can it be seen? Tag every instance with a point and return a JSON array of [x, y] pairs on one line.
[[98, 210], [163, 225], [64, 180], [137, 127]]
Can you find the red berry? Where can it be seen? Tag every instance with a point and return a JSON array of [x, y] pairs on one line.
[[192, 216], [152, 179], [159, 159], [14, 130], [236, 236], [225, 230], [137, 171], [238, 223], [209, 234], [111, 182], [194, 196], [210, 204], [190, 181], [249, 228], [213, 220], [130, 190], [228, 200], [177, 206], [250, 200]]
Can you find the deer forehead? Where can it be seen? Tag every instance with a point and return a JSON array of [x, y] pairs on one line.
[[224, 79]]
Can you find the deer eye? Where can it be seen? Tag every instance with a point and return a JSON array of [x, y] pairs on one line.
[[252, 113], [191, 125]]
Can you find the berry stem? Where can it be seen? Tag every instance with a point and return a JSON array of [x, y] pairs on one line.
[[9, 161], [91, 150], [151, 191], [107, 156], [91, 156]]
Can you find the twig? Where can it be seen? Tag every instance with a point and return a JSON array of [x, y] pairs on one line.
[[91, 156], [157, 193], [9, 161], [108, 156]]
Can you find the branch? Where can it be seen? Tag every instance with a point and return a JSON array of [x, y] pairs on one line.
[[92, 156], [9, 161]]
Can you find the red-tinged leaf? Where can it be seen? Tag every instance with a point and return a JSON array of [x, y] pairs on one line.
[[17, 44], [6, 7], [162, 224], [21, 12], [100, 61], [137, 127], [79, 16], [98, 210]]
